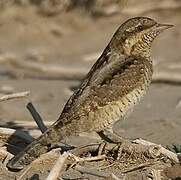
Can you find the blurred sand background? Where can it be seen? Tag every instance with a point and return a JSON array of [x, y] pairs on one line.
[[37, 36]]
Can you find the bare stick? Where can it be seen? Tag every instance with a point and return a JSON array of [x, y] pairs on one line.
[[6, 155], [113, 176], [24, 173], [55, 172], [94, 158], [95, 172], [14, 96], [139, 166], [37, 118], [86, 148], [159, 150]]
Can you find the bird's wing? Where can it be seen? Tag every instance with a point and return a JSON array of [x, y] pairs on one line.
[[105, 67], [111, 77]]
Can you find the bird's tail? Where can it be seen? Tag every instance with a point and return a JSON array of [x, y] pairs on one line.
[[36, 148]]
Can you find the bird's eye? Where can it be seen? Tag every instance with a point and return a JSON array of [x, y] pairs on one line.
[[140, 28]]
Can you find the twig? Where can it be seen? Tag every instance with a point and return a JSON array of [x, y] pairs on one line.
[[139, 166], [113, 176], [24, 173], [6, 155], [55, 172], [159, 150], [37, 118], [95, 172], [14, 96], [90, 147], [94, 158]]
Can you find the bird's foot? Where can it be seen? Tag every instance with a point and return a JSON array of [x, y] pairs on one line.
[[117, 148], [120, 146], [101, 148]]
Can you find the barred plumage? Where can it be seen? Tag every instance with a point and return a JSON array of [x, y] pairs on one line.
[[114, 85]]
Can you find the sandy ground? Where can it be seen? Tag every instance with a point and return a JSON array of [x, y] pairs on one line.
[[75, 39]]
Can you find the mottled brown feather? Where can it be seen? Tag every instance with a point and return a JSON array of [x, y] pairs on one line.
[[114, 85]]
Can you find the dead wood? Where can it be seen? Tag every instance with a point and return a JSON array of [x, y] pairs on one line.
[[57, 168], [95, 172], [14, 96], [158, 150], [140, 166], [37, 118]]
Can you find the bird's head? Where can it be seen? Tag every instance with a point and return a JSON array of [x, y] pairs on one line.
[[134, 37]]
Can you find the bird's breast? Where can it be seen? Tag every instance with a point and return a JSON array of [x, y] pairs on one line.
[[117, 110]]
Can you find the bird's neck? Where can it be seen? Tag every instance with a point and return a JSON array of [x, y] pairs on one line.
[[132, 47], [142, 49]]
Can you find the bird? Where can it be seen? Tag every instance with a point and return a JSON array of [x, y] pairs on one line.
[[114, 85]]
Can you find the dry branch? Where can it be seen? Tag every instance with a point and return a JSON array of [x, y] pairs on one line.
[[158, 150], [143, 165], [95, 172], [37, 118], [55, 172], [94, 158], [5, 155], [23, 175], [14, 96]]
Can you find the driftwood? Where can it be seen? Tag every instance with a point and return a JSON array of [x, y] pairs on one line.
[[158, 150], [55, 172], [95, 172], [14, 96]]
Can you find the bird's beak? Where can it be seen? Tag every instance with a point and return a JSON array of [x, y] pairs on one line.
[[162, 27]]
